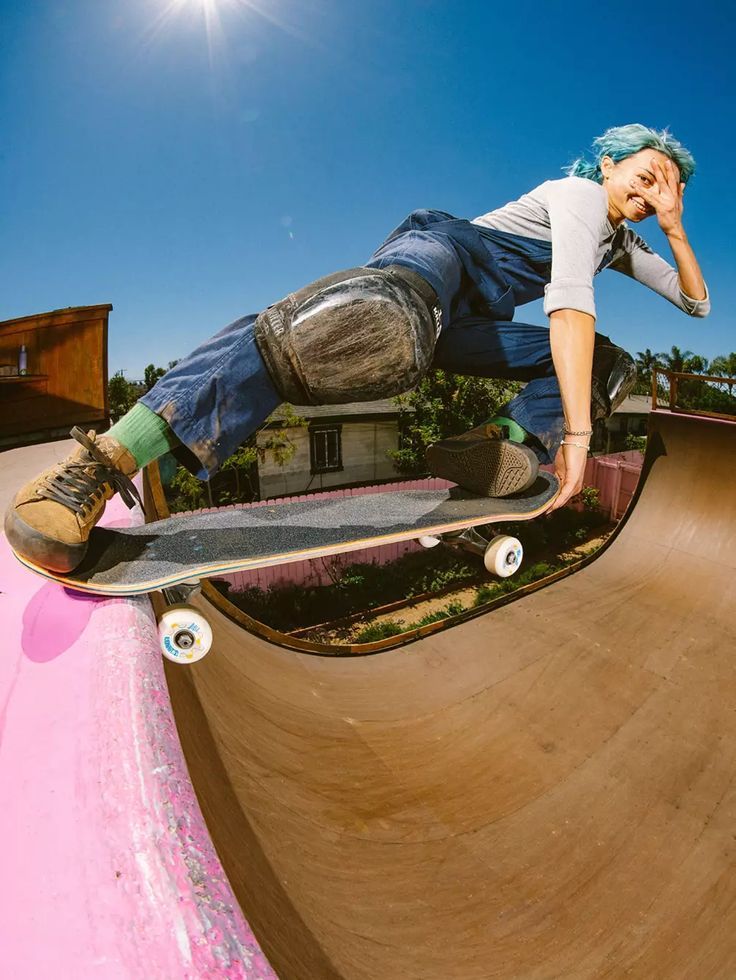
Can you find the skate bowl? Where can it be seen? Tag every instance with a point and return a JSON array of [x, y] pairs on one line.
[[542, 791], [545, 790]]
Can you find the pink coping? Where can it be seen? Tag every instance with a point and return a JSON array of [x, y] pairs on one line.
[[108, 870]]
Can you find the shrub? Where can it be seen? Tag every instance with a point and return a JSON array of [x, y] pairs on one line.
[[379, 631], [452, 609], [591, 497], [636, 442], [484, 594]]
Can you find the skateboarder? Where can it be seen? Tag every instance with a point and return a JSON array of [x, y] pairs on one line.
[[440, 291]]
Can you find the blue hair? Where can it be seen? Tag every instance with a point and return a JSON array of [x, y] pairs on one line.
[[624, 141]]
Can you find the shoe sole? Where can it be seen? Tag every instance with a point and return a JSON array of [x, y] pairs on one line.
[[39, 548], [488, 467]]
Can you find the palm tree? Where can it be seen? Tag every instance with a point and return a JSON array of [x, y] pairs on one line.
[[724, 365], [645, 363], [695, 364], [675, 361]]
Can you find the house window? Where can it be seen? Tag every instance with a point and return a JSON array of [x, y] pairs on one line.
[[326, 448]]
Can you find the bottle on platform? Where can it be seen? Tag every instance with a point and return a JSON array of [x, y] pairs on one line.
[[23, 360]]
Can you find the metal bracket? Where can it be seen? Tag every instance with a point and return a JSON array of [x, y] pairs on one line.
[[182, 592]]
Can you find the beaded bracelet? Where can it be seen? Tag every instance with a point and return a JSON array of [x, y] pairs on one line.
[[583, 432], [579, 445]]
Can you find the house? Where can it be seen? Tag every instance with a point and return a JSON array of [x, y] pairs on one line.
[[344, 445], [631, 418], [53, 374], [341, 444]]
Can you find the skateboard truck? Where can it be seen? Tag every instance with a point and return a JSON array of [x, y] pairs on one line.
[[502, 555], [182, 592]]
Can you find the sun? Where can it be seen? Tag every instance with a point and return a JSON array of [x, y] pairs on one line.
[[216, 19], [206, 12], [210, 12]]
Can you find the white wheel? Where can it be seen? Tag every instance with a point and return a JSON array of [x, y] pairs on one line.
[[184, 634], [429, 541], [503, 556]]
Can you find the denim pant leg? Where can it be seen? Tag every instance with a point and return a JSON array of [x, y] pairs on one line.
[[432, 256], [514, 351], [216, 398]]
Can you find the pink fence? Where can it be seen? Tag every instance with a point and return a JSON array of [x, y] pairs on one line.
[[615, 476]]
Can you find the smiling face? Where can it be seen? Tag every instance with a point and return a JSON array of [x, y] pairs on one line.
[[624, 204]]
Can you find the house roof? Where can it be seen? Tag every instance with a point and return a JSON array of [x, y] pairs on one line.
[[635, 405]]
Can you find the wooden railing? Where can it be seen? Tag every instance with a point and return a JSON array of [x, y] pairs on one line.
[[667, 389]]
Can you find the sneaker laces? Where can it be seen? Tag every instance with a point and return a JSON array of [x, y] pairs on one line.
[[80, 483]]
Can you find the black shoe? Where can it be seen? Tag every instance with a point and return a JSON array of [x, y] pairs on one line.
[[614, 377], [483, 462]]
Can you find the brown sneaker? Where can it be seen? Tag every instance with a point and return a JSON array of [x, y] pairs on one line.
[[51, 517], [484, 462]]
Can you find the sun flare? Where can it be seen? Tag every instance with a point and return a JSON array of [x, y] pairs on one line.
[[222, 21], [210, 14]]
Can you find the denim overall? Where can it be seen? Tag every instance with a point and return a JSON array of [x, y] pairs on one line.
[[214, 399]]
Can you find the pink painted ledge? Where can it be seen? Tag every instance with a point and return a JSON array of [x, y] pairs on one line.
[[108, 870]]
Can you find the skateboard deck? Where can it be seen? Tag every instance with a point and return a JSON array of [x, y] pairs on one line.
[[136, 560]]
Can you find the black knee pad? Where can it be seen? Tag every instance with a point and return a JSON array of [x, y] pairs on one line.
[[357, 335], [614, 377]]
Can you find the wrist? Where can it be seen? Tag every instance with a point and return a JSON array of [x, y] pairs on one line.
[[578, 425], [676, 234]]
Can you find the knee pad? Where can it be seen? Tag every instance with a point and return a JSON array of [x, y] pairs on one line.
[[614, 377], [357, 335]]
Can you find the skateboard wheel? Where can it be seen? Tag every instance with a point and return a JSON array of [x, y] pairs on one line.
[[503, 556], [429, 541], [184, 634]]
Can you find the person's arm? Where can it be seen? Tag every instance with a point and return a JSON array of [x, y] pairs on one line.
[[684, 286], [577, 214], [572, 338], [689, 275]]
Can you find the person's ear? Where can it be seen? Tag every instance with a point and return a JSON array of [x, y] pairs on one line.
[[607, 166]]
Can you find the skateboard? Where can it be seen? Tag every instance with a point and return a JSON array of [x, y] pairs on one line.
[[175, 553]]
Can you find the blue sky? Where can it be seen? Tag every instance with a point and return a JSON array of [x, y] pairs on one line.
[[193, 161]]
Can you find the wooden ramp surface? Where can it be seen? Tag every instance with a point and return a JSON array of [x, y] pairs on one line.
[[546, 791]]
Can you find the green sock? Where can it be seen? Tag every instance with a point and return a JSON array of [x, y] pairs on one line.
[[144, 434], [516, 432]]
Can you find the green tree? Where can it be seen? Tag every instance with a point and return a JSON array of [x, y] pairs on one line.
[[241, 464], [190, 492], [444, 405], [151, 375], [695, 394], [681, 361], [121, 396], [275, 435], [724, 365], [696, 364], [645, 362]]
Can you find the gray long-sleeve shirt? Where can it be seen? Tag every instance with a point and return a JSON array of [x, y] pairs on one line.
[[570, 215]]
